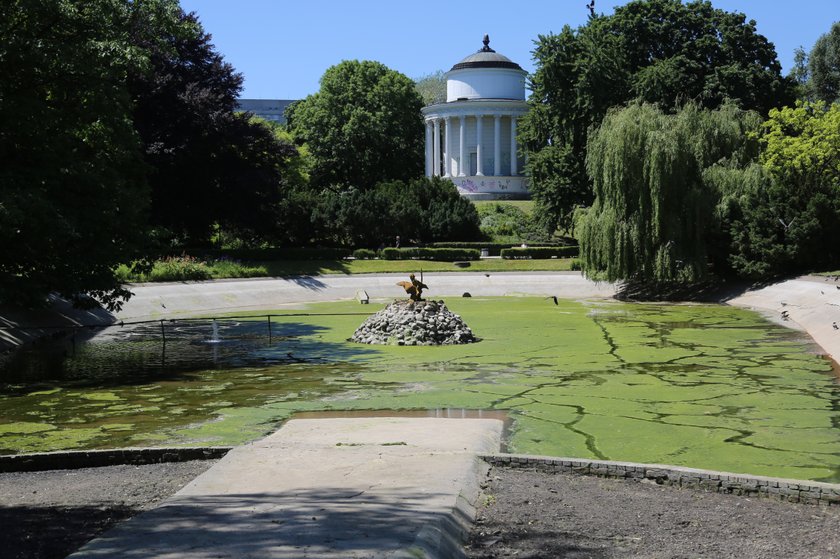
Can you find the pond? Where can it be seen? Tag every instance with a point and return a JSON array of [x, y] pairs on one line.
[[705, 386]]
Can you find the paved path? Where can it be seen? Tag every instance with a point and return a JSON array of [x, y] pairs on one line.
[[166, 300], [812, 304], [323, 488]]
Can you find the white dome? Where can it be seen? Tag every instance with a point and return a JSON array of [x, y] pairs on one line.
[[485, 74]]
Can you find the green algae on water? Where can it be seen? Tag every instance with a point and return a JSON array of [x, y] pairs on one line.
[[705, 386]]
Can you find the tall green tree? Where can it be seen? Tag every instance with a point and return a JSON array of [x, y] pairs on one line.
[[824, 67], [73, 197], [658, 51], [653, 218], [362, 127], [209, 165], [432, 88], [784, 214]]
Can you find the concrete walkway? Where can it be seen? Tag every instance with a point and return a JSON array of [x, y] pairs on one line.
[[170, 300], [324, 488], [812, 304]]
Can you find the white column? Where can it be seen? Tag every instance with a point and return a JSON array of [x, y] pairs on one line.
[[436, 158], [429, 148], [514, 170], [447, 152], [497, 145], [478, 169], [462, 122]]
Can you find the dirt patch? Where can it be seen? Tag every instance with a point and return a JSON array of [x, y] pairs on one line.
[[530, 514], [48, 515]]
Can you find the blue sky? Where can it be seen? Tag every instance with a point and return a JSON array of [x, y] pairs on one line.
[[282, 47]]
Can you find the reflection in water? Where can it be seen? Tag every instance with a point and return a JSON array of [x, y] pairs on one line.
[[703, 386]]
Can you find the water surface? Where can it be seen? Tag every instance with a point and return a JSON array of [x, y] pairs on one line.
[[705, 386]]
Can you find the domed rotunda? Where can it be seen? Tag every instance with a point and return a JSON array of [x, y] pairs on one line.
[[471, 139]]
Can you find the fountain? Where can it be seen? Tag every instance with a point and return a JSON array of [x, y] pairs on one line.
[[414, 322]]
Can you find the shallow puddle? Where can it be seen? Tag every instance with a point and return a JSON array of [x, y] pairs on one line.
[[705, 386]]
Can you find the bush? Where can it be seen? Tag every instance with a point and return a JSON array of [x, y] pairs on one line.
[[423, 210], [505, 220], [540, 252], [180, 268], [416, 253], [364, 254]]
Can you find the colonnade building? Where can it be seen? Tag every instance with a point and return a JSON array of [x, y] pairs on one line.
[[471, 138]]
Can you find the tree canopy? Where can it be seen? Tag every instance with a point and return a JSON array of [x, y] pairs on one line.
[[824, 67], [656, 51], [209, 165], [73, 198], [653, 217], [362, 127], [116, 117], [784, 214]]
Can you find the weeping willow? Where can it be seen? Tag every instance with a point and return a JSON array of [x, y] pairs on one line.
[[653, 210]]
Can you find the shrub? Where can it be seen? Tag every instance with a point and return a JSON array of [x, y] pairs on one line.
[[364, 254], [180, 268], [416, 253], [541, 252]]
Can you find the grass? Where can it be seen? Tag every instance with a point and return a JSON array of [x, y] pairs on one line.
[[526, 206], [190, 269]]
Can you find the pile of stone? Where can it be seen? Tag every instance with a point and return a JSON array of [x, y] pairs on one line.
[[414, 323]]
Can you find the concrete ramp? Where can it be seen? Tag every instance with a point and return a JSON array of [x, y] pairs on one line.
[[324, 488]]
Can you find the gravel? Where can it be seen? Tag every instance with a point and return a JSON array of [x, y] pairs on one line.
[[50, 514], [530, 514]]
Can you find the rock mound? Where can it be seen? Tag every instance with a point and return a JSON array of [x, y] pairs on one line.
[[414, 323]]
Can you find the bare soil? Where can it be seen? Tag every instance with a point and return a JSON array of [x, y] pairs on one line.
[[523, 514], [530, 514], [50, 514]]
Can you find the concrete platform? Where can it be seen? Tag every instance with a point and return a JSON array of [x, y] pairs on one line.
[[324, 488]]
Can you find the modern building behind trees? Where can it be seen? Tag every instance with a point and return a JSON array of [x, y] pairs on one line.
[[268, 109]]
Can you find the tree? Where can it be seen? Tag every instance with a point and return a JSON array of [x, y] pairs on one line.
[[653, 213], [208, 165], [432, 88], [362, 127], [656, 51], [784, 214], [422, 210], [73, 197], [824, 67]]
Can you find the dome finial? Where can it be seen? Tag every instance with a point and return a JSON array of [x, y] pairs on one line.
[[486, 44]]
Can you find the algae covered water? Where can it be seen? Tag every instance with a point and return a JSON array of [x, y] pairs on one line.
[[704, 386]]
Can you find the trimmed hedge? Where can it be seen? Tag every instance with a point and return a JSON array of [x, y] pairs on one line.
[[416, 253], [541, 252], [493, 248], [364, 254]]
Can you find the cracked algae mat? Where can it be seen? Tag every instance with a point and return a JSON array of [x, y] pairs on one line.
[[705, 386]]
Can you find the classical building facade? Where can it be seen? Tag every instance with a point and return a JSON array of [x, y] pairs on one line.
[[471, 138]]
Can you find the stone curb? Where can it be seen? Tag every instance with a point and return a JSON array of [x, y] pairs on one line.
[[790, 490], [74, 460]]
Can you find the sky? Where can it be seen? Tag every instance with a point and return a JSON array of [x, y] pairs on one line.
[[283, 47]]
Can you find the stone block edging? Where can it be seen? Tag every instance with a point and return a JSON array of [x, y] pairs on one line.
[[73, 460], [791, 490]]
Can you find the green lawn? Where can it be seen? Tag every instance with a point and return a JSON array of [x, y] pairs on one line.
[[313, 267], [526, 206]]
